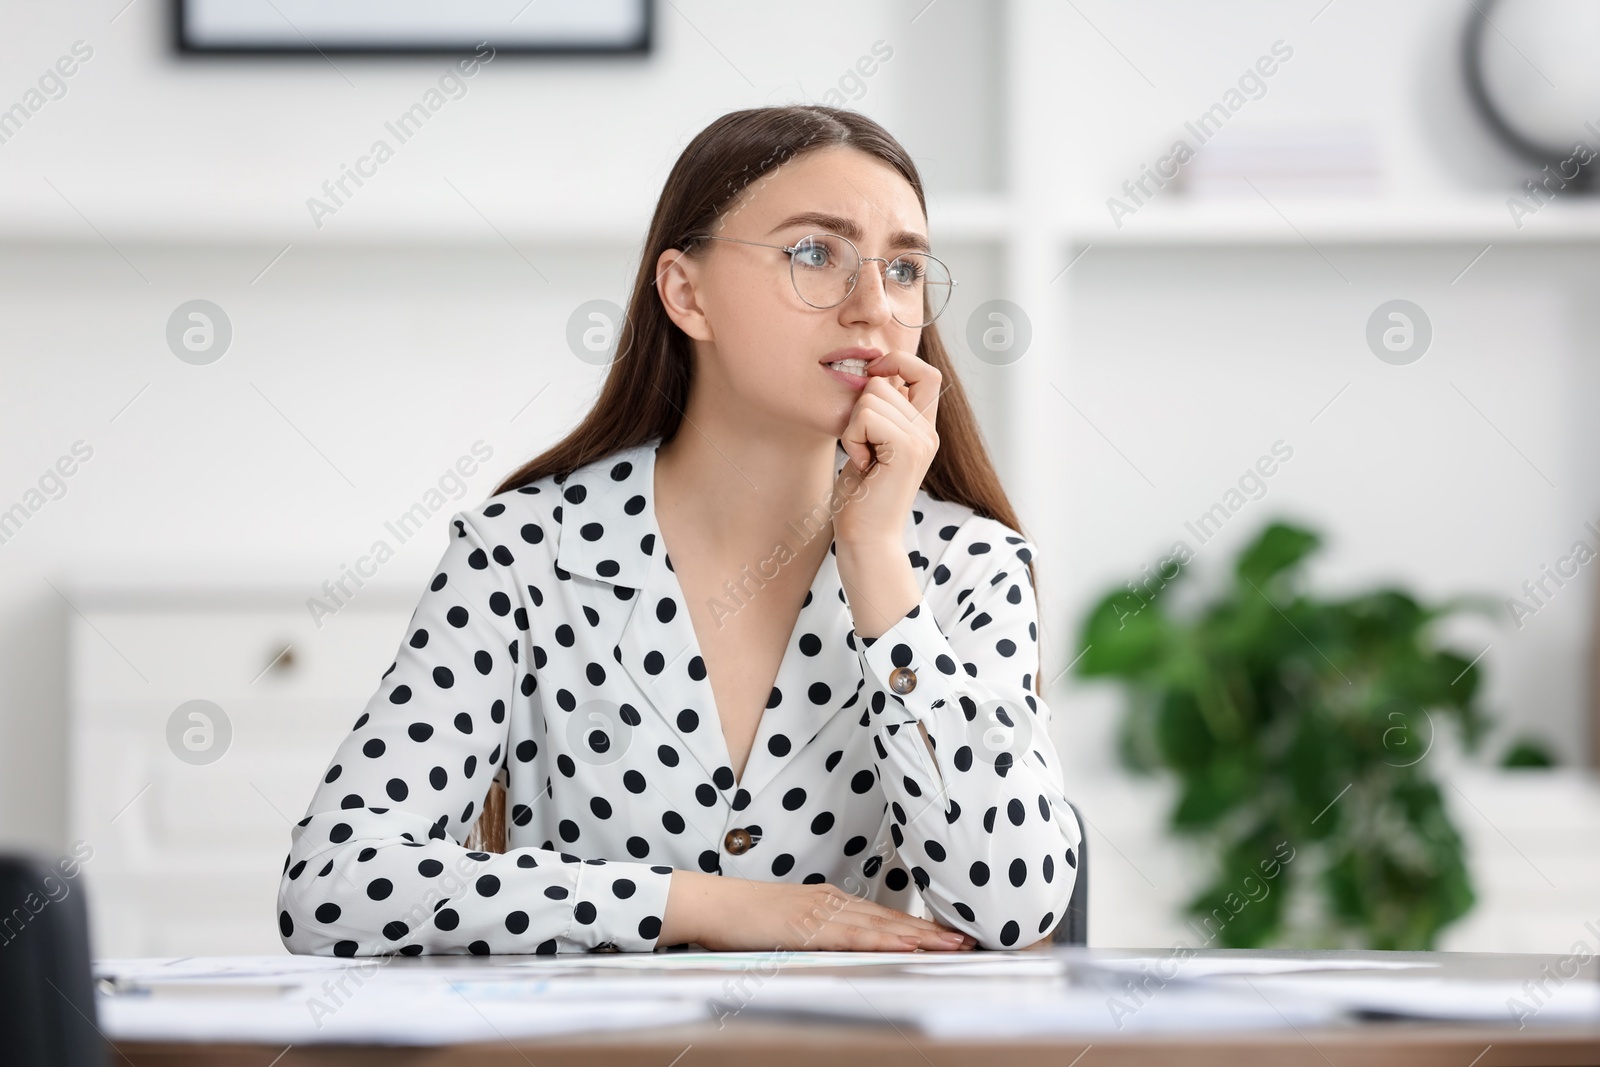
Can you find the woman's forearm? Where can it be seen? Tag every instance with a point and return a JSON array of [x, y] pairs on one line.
[[879, 584]]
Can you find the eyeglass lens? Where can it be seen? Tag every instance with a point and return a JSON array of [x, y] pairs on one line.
[[825, 266]]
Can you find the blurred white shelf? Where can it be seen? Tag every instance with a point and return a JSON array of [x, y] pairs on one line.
[[434, 215], [444, 215], [1482, 219], [246, 219]]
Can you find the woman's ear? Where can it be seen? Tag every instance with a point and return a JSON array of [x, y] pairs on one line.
[[676, 278]]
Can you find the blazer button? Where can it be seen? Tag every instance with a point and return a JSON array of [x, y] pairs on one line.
[[902, 680], [737, 841]]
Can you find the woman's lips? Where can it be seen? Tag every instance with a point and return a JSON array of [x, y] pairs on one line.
[[840, 374]]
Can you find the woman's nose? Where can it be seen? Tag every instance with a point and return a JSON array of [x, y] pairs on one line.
[[871, 290]]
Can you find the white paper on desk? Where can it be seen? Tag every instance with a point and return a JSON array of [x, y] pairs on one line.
[[900, 999], [784, 959], [1443, 998], [436, 1016], [225, 968], [1170, 967], [1027, 965], [962, 1004], [1084, 1012], [172, 968], [729, 990], [896, 994], [999, 1009]]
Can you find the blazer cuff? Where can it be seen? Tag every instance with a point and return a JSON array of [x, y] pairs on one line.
[[632, 921], [911, 665]]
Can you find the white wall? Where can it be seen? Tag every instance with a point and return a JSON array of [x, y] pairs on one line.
[[146, 141]]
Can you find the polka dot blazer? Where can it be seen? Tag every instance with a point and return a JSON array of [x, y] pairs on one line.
[[552, 651]]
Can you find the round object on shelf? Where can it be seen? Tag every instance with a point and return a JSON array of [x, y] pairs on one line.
[[1532, 77]]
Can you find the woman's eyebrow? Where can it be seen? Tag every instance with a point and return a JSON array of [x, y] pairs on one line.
[[847, 228]]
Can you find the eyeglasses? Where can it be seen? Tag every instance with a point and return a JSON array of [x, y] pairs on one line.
[[824, 268]]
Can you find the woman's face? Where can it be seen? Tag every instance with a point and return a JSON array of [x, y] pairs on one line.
[[757, 344]]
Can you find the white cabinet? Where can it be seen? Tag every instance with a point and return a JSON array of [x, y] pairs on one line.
[[189, 840]]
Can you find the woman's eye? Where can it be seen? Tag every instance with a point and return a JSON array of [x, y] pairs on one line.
[[812, 256], [903, 273]]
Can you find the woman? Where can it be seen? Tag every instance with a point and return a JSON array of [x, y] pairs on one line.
[[811, 724]]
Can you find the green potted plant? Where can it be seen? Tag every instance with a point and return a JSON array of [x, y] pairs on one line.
[[1296, 727]]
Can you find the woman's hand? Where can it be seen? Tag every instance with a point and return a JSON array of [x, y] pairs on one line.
[[735, 914], [890, 440], [890, 437]]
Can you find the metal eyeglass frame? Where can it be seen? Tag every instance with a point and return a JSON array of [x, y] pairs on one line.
[[792, 249]]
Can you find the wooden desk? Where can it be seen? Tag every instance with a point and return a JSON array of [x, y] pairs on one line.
[[744, 1041]]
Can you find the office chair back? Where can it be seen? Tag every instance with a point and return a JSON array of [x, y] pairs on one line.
[[1073, 929], [47, 1010]]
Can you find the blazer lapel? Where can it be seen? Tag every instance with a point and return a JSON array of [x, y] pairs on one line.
[[609, 532], [659, 650]]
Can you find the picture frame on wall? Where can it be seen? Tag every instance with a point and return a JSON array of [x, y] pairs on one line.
[[412, 27]]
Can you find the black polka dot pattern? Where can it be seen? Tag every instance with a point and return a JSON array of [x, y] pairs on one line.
[[552, 650]]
